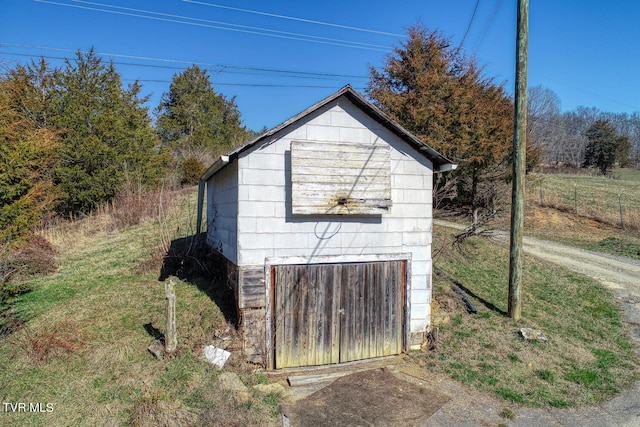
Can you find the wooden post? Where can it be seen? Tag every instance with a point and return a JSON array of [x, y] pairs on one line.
[[200, 207], [519, 161], [575, 197], [171, 336], [620, 204], [541, 204]]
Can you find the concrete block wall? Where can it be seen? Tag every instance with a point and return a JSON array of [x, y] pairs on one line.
[[222, 211], [266, 227]]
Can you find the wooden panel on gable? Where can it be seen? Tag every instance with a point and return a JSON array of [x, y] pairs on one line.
[[340, 178]]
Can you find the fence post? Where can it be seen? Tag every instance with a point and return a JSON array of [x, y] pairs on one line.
[[540, 192], [171, 337], [575, 197], [620, 204]]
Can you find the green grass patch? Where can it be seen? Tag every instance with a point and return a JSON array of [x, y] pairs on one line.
[[572, 310], [620, 246], [510, 395], [84, 346], [514, 358], [582, 376], [546, 375]]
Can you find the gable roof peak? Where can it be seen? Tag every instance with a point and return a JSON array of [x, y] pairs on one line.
[[440, 162]]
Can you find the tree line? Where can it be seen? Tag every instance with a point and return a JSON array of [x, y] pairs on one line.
[[582, 138], [72, 137]]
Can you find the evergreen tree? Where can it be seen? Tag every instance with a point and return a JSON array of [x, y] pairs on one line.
[[33, 86], [443, 98], [605, 147], [107, 133], [192, 116], [27, 158]]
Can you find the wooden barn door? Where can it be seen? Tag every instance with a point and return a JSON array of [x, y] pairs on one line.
[[332, 313]]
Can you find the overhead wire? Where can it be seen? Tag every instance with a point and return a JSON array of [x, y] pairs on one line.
[[473, 15], [166, 17], [488, 25], [293, 18], [214, 82], [208, 65]]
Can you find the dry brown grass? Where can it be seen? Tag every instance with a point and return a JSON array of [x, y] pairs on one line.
[[50, 339], [129, 208], [594, 197], [151, 410]]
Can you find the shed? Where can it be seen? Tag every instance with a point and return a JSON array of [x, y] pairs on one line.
[[325, 224]]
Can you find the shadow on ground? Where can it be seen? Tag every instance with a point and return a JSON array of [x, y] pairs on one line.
[[191, 260]]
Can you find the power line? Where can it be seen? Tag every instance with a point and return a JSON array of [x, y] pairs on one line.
[[473, 15], [488, 25], [266, 85], [166, 17], [211, 66], [169, 67], [293, 18]]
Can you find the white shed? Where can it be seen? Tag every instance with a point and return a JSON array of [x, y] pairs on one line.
[[325, 223]]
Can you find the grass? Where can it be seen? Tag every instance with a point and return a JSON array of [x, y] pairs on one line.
[[596, 226], [588, 358], [593, 190], [591, 196], [83, 348]]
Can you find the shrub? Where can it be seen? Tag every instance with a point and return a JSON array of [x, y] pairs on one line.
[[34, 257], [22, 260], [133, 207], [192, 170]]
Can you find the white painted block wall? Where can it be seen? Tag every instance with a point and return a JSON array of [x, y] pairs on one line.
[[222, 212], [267, 229]]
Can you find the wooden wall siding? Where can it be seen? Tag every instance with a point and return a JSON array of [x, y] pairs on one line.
[[340, 178], [332, 313], [251, 293]]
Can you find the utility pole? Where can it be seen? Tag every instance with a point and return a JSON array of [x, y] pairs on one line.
[[519, 161]]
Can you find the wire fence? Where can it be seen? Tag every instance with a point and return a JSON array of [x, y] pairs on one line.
[[604, 201]]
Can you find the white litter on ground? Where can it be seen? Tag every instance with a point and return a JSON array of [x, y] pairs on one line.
[[216, 355]]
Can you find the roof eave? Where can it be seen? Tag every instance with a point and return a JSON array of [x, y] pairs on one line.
[[215, 167]]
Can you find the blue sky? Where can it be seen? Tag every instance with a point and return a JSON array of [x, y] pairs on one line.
[[585, 51]]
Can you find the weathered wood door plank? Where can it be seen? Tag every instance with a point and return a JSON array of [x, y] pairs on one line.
[[332, 313]]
